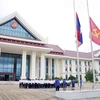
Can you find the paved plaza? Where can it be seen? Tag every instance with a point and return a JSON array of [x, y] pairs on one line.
[[13, 92]]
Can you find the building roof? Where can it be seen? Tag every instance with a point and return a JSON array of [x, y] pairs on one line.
[[56, 49], [74, 54]]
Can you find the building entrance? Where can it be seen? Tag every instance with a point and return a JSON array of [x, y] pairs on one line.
[[7, 76]]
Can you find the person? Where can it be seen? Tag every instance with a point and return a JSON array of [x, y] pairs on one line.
[[73, 84], [57, 84], [64, 84], [80, 84]]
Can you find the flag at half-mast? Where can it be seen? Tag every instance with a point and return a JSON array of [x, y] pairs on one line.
[[95, 32], [78, 30]]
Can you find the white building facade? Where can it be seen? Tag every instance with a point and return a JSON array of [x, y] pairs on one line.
[[26, 54]]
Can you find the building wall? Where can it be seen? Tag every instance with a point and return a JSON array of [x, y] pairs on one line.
[[71, 68]]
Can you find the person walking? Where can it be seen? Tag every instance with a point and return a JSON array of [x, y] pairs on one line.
[[80, 84], [73, 84], [57, 84], [64, 84]]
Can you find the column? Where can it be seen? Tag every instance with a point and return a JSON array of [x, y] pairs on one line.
[[32, 65], [37, 67], [74, 68], [50, 68], [83, 70], [42, 69], [63, 68], [56, 68], [23, 73], [68, 74]]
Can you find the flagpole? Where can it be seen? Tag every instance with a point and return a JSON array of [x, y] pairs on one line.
[[91, 46], [76, 44]]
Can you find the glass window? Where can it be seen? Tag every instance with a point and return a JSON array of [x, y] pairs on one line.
[[80, 69], [85, 69], [76, 69], [47, 68], [88, 63], [70, 68], [80, 63], [52, 68], [88, 69], [76, 76], [66, 77], [70, 62], [65, 61], [12, 63], [85, 63], [76, 62], [18, 31], [66, 69], [99, 62], [80, 77]]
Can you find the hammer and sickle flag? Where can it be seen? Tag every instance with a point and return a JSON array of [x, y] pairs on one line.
[[95, 32]]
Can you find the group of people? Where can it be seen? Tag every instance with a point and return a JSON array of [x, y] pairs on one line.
[[57, 84], [41, 83], [48, 84], [64, 84]]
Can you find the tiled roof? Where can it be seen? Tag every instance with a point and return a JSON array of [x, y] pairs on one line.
[[74, 54], [56, 49], [71, 53]]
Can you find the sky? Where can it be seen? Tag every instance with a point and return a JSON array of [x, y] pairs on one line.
[[54, 19]]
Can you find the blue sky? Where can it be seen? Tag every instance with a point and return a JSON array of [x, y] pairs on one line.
[[55, 19]]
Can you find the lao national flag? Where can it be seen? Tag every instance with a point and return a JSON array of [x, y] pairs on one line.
[[79, 33]]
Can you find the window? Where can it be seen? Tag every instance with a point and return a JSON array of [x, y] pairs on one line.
[[13, 63], [76, 76], [80, 69], [88, 69], [76, 69], [76, 62], [80, 63], [80, 77], [85, 69], [52, 68], [70, 62], [65, 61], [70, 68], [88, 63], [66, 69], [46, 68], [85, 63], [66, 77], [19, 31], [99, 62]]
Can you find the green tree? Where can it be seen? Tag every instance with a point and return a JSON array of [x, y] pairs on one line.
[[71, 77], [89, 75]]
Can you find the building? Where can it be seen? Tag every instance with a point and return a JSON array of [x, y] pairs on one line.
[[26, 54]]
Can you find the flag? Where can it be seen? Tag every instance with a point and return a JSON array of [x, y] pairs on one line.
[[79, 33], [95, 32]]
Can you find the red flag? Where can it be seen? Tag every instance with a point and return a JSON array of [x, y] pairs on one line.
[[95, 32]]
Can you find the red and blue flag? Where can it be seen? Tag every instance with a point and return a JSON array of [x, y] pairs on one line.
[[79, 33]]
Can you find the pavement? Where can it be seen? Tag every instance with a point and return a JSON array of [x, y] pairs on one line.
[[13, 92]]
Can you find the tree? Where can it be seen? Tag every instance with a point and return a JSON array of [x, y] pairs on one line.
[[89, 75], [71, 77]]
